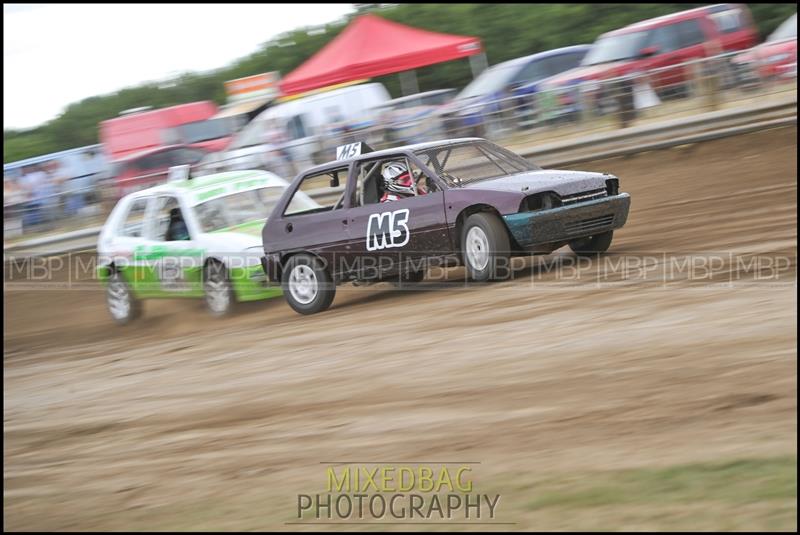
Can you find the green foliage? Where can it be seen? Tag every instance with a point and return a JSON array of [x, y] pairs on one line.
[[738, 482], [506, 30]]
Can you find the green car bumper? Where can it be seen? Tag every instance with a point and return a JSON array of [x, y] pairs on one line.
[[249, 283], [252, 284]]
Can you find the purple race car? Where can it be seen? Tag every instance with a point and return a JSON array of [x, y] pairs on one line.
[[467, 201]]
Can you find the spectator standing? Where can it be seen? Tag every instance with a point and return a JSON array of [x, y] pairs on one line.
[[33, 184], [95, 169], [51, 194], [56, 205], [79, 184], [13, 203], [12, 193]]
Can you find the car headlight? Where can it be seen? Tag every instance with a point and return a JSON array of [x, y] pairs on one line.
[[544, 200]]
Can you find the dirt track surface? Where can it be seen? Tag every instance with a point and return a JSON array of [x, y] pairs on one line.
[[186, 422]]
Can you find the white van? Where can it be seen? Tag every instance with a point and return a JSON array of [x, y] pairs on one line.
[[303, 124]]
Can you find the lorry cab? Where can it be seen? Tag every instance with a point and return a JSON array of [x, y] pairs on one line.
[[144, 129]]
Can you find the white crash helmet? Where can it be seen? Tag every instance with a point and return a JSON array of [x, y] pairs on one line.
[[397, 179]]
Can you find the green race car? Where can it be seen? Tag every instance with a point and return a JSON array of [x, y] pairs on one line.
[[196, 237]]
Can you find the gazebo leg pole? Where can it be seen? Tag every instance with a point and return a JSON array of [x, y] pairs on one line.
[[478, 64], [408, 82]]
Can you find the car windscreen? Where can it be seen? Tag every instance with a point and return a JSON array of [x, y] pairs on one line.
[[436, 99], [205, 130], [490, 81], [616, 48], [787, 30], [229, 211], [430, 99], [464, 163], [251, 135]]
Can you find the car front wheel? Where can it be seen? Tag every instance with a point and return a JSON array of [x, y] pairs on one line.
[[122, 304], [307, 285], [592, 245], [486, 247]]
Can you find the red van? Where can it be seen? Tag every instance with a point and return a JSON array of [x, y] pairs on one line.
[[662, 42], [187, 124], [151, 167]]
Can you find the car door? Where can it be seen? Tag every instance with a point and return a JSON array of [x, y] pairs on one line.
[[314, 219], [129, 238], [676, 44], [170, 263], [385, 237]]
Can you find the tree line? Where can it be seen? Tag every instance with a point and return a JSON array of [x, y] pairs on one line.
[[506, 30]]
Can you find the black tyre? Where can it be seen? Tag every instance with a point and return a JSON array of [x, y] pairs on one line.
[[122, 304], [307, 285], [486, 247], [592, 245], [218, 289]]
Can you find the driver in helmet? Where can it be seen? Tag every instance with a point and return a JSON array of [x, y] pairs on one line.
[[398, 183], [177, 226]]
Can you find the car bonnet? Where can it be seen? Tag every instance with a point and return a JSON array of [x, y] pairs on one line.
[[562, 182]]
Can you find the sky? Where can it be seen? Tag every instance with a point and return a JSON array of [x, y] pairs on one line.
[[56, 54]]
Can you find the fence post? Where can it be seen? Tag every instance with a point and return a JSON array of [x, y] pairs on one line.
[[706, 79], [627, 110], [585, 102], [713, 70]]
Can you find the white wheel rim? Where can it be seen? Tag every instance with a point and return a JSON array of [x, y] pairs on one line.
[[119, 300], [303, 284], [477, 248], [217, 294]]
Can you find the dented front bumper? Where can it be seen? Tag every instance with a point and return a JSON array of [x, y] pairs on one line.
[[567, 223]]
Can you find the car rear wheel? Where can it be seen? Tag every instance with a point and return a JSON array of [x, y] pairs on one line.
[[592, 245], [122, 305], [486, 247], [307, 285], [217, 289]]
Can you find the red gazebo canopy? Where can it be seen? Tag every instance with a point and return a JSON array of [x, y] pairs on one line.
[[372, 46]]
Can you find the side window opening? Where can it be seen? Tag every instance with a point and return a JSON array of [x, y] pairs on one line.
[[170, 223], [690, 33], [326, 189], [727, 21], [296, 128], [530, 72], [371, 187], [665, 38], [564, 62], [133, 224]]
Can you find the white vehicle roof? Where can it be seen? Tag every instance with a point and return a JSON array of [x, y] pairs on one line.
[[351, 104]]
